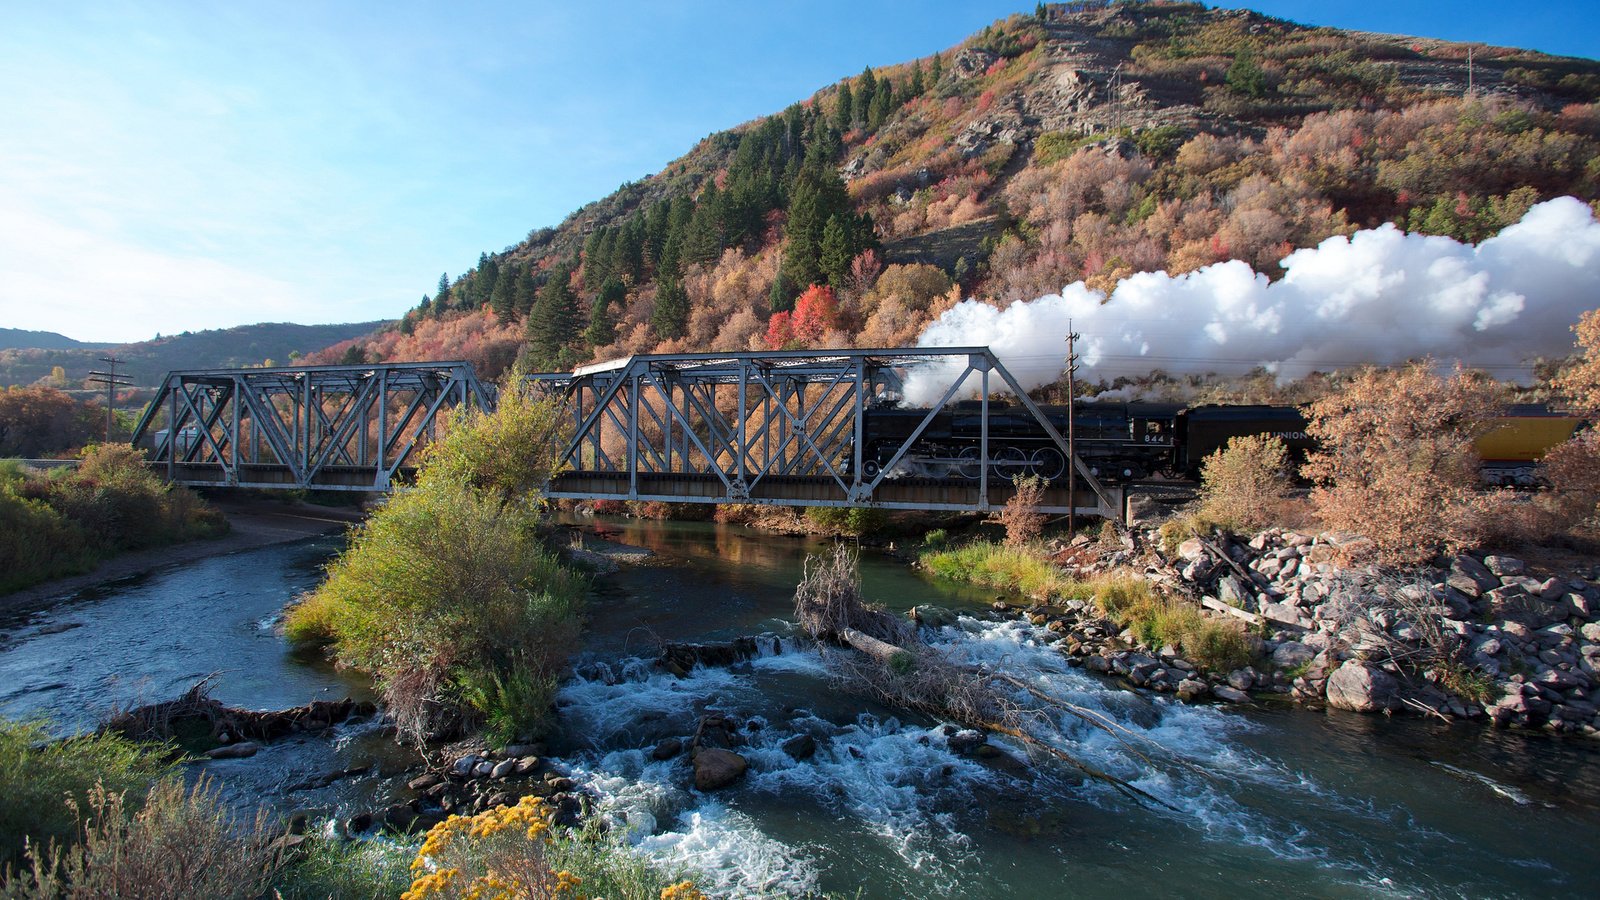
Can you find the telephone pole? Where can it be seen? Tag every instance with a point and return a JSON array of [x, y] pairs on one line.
[[112, 381], [1072, 443]]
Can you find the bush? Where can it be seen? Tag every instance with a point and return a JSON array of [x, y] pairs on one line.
[[447, 596], [1021, 516], [1010, 568], [936, 538], [854, 521], [41, 779], [181, 843], [1158, 620], [513, 851], [1241, 484], [1397, 462], [353, 870], [63, 522]]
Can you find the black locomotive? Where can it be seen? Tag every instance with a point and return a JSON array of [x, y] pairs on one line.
[[1119, 442]]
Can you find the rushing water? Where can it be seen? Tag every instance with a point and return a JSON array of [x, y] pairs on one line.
[[1263, 801]]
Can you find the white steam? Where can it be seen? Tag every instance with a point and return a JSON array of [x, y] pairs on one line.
[[1380, 296]]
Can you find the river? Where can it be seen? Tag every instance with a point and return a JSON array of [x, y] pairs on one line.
[[1263, 801]]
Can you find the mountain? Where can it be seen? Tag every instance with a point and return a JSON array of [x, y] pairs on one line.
[[1086, 141], [19, 339], [148, 361]]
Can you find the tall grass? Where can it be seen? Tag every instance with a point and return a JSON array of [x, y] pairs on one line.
[[1019, 569], [41, 778], [348, 870], [1158, 620], [64, 521], [447, 595]]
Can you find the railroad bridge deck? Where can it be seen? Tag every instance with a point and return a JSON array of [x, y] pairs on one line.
[[778, 428]]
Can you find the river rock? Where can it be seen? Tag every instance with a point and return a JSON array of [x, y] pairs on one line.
[[1232, 695], [966, 741], [1191, 689], [666, 749], [424, 781], [503, 768], [932, 616], [1504, 566], [527, 764], [464, 765], [716, 768], [1292, 654], [801, 746], [1470, 568], [241, 750], [1358, 687]]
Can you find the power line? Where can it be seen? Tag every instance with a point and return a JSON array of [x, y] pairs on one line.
[[112, 381]]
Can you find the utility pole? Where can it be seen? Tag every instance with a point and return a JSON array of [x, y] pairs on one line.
[[1072, 443], [112, 381], [1471, 84]]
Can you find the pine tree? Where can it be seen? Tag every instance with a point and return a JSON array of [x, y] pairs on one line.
[[781, 297], [671, 312], [702, 239], [866, 93], [553, 323], [503, 299], [525, 291], [914, 87], [882, 105], [441, 297], [935, 71], [602, 328], [844, 109], [834, 251]]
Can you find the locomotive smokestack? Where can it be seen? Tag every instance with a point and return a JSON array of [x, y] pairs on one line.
[[1380, 296]]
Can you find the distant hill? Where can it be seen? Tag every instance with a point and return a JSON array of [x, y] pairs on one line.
[[1085, 141], [19, 339], [148, 361]]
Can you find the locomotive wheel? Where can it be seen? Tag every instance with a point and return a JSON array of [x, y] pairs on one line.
[[870, 468], [1048, 463], [1009, 462], [968, 467]]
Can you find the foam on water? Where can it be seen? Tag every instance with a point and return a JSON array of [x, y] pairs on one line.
[[898, 784]]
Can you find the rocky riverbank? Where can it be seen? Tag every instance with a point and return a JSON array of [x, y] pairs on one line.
[[1487, 638]]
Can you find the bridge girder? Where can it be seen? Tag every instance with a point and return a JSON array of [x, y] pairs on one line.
[[354, 428]]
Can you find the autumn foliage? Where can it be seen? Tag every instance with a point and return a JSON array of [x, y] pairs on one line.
[[816, 312], [1397, 463]]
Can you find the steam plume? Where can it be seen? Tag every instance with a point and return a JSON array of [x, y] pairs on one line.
[[1379, 296]]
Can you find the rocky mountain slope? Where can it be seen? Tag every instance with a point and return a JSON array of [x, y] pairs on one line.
[[1087, 141]]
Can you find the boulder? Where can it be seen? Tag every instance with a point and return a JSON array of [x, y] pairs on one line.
[[1192, 550], [1292, 654], [1470, 568], [667, 749], [1358, 687], [801, 746], [966, 741], [241, 750], [503, 769], [716, 768], [1503, 566], [1232, 695], [1191, 689]]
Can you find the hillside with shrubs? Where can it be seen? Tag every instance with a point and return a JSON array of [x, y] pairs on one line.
[[1084, 141]]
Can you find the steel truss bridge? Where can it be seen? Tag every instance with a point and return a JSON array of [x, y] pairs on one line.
[[779, 428]]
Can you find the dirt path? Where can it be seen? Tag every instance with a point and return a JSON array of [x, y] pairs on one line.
[[256, 523]]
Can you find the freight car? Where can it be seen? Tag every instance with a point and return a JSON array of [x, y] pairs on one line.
[[1122, 442]]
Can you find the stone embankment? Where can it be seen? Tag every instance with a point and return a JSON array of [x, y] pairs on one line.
[[1479, 637]]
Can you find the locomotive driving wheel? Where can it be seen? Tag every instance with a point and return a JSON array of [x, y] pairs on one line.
[[1047, 463]]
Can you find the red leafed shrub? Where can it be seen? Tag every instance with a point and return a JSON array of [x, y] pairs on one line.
[[815, 312], [780, 330]]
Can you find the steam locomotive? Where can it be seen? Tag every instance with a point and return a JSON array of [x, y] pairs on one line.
[[1123, 442]]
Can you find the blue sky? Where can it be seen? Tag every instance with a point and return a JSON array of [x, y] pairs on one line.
[[179, 166]]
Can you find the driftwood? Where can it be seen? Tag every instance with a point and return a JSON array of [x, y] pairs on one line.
[[892, 664]]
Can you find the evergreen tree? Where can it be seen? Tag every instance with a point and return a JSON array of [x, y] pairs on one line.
[[702, 240], [844, 108], [866, 93], [671, 312], [484, 281], [426, 306], [834, 252], [503, 299], [525, 291], [781, 297], [914, 87], [553, 323], [935, 71], [602, 328], [882, 105], [441, 297]]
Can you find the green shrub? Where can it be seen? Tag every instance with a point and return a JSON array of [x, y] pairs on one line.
[[936, 538], [446, 594], [1019, 569], [40, 775], [854, 520], [353, 870]]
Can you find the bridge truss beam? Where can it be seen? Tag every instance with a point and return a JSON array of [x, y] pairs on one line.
[[786, 428], [355, 428]]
